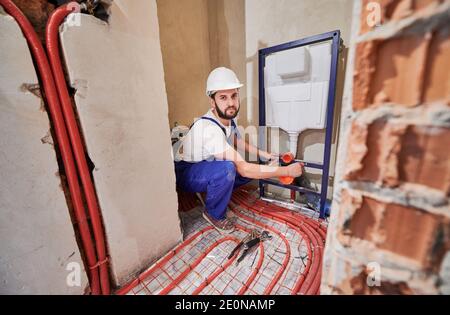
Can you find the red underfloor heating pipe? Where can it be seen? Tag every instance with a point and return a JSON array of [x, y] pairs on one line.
[[313, 233], [308, 229], [52, 44], [308, 236]]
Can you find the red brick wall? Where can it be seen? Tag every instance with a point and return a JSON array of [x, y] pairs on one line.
[[392, 201]]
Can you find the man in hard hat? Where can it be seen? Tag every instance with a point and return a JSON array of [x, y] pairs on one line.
[[207, 160]]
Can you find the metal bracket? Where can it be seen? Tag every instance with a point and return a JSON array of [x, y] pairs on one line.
[[335, 37]]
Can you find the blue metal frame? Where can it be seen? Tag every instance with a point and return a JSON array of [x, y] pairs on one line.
[[334, 36]]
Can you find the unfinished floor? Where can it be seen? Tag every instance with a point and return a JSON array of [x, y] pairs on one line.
[[289, 263]]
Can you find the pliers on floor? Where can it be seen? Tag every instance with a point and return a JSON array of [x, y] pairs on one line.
[[250, 242], [247, 238], [248, 247]]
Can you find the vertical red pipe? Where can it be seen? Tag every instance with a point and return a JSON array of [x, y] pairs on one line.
[[52, 43], [61, 134], [287, 158]]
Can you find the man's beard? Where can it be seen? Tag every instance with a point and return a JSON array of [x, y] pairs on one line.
[[223, 115]]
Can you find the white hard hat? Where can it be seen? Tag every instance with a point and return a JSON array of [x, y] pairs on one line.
[[221, 79]]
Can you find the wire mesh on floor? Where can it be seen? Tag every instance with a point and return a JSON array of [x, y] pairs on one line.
[[288, 263]]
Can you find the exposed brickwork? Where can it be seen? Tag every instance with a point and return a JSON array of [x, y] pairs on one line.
[[392, 10], [367, 10], [393, 227], [392, 200], [364, 70], [359, 286], [437, 80], [358, 150], [390, 154], [405, 70], [379, 164], [399, 71], [424, 157], [363, 223], [410, 232]]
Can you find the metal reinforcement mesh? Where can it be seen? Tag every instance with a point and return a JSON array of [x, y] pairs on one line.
[[288, 263]]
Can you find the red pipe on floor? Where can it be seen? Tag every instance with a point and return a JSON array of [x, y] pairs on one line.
[[257, 268], [52, 43], [306, 235], [285, 262], [228, 263], [316, 236], [190, 267], [260, 210], [183, 275], [127, 288], [56, 116], [308, 282]]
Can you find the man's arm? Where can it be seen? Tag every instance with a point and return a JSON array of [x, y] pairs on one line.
[[257, 171]]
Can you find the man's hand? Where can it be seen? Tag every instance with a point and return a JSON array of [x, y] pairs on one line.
[[274, 156], [294, 169], [258, 171], [274, 159], [271, 158]]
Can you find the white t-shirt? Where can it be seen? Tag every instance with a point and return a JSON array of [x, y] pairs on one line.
[[204, 140]]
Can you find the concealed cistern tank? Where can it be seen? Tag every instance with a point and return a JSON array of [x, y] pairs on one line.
[[297, 83]]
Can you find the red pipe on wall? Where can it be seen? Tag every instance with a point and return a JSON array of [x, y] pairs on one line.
[[52, 44], [56, 116]]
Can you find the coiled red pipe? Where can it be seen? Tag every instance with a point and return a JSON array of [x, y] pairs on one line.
[[52, 43], [56, 116], [304, 234], [316, 236], [183, 275], [254, 208], [285, 262], [308, 282]]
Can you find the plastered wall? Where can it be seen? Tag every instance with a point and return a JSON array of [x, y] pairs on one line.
[[116, 70], [38, 249], [185, 47], [196, 37]]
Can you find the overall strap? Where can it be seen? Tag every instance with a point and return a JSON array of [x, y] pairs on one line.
[[234, 128], [233, 125]]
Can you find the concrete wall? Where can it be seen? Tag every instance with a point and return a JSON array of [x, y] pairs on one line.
[[389, 232], [36, 232], [117, 71]]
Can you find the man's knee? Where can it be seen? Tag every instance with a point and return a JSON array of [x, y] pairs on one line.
[[230, 170], [226, 170]]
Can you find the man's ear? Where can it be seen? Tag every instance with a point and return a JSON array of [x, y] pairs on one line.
[[211, 103]]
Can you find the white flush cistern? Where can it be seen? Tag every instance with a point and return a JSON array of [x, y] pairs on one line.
[[297, 82]]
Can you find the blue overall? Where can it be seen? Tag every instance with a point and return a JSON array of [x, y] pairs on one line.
[[216, 178]]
